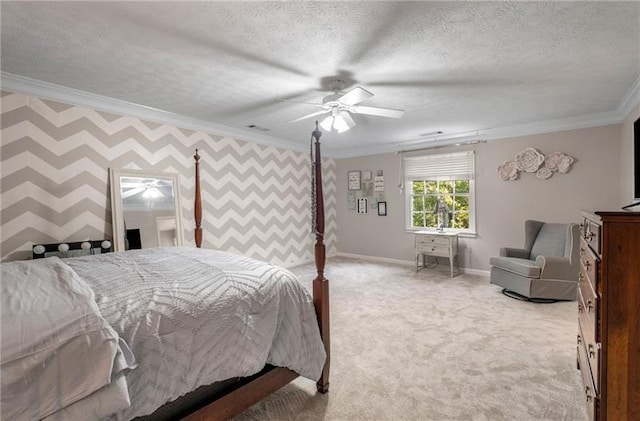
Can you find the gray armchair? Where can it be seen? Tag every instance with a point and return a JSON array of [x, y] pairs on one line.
[[546, 269]]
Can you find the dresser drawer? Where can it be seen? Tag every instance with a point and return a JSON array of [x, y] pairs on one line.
[[590, 297], [590, 395], [591, 234], [588, 264], [431, 240], [434, 250], [587, 318]]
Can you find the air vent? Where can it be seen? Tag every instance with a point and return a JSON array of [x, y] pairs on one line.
[[430, 134], [254, 127]]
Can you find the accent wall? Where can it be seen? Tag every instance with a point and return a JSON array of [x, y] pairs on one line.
[[54, 181]]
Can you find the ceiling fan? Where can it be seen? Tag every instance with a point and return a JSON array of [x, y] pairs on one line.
[[340, 106]]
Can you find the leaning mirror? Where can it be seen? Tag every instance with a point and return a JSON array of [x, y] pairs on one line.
[[145, 209]]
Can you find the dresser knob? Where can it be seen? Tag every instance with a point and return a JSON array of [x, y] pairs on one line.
[[589, 306], [580, 309], [579, 339], [587, 391], [592, 352]]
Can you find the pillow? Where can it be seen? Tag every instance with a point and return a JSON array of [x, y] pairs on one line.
[[55, 347]]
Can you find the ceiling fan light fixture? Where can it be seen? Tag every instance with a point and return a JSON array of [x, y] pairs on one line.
[[343, 122], [339, 124], [152, 193], [327, 123]]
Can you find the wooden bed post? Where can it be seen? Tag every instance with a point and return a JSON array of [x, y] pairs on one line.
[[250, 390], [320, 283], [197, 208]]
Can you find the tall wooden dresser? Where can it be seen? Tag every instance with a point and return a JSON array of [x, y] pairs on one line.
[[609, 315]]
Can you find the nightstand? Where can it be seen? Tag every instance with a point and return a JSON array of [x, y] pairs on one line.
[[439, 244]]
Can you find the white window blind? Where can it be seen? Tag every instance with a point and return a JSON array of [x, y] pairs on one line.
[[451, 166]]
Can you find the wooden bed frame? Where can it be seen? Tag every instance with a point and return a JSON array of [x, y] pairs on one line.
[[250, 391]]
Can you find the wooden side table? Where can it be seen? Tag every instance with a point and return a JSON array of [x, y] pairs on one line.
[[439, 244]]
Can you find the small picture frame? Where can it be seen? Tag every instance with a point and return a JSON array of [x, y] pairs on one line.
[[378, 183], [366, 176], [362, 205], [354, 180], [382, 208], [351, 200]]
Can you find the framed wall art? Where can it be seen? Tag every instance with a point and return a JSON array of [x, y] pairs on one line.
[[354, 180], [378, 183], [351, 200], [362, 205], [382, 208]]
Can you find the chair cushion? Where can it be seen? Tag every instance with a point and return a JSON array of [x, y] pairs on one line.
[[551, 241], [522, 267]]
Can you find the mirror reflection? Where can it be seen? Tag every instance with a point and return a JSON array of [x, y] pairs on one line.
[[146, 210]]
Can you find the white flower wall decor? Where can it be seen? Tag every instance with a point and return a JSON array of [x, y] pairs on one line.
[[533, 161], [529, 160], [508, 171]]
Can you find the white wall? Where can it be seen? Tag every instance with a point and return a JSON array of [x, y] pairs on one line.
[[501, 207]]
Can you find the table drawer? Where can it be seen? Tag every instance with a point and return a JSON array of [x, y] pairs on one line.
[[588, 264], [433, 250], [431, 240]]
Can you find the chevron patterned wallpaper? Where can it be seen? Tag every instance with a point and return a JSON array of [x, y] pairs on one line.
[[54, 181]]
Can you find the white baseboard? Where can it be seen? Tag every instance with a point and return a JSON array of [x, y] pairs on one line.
[[476, 272], [406, 262], [301, 262], [377, 259]]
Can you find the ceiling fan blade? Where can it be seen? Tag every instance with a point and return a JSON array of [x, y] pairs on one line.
[[355, 96], [347, 119], [381, 112], [308, 116]]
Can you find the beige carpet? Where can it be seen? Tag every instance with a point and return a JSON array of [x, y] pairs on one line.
[[422, 346]]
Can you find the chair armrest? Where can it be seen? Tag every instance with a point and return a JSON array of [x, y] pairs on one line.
[[514, 252], [556, 267]]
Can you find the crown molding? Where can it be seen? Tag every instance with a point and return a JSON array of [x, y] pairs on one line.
[[628, 103], [12, 82], [16, 83], [457, 139], [630, 100]]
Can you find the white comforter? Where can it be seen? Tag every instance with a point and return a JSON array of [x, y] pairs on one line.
[[57, 350], [193, 317]]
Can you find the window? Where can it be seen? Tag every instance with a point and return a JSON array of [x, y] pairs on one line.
[[439, 190]]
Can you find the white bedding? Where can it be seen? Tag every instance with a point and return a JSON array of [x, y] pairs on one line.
[[193, 317], [56, 348]]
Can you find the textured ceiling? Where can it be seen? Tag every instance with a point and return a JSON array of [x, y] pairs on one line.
[[453, 67]]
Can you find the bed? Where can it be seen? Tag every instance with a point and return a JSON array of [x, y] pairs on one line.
[[164, 333]]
